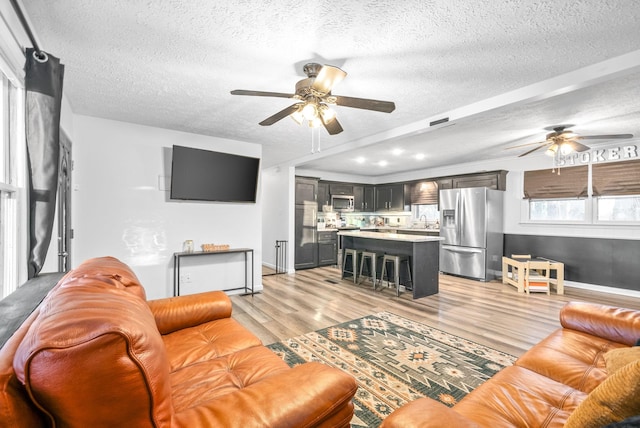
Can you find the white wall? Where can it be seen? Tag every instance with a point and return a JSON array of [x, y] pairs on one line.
[[275, 213], [118, 209]]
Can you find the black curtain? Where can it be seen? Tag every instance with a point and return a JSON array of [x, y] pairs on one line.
[[44, 75]]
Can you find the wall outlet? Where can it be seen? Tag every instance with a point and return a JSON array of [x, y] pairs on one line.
[[185, 277]]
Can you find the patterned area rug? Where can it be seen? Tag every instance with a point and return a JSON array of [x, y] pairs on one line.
[[396, 360]]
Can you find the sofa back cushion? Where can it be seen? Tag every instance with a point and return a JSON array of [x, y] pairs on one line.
[[106, 272], [618, 325], [94, 357]]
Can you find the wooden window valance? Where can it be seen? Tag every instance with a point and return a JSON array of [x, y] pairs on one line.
[[572, 182], [424, 192], [616, 178]]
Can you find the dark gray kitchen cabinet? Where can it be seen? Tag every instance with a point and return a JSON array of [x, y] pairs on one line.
[[306, 249], [358, 198], [306, 190], [369, 199], [341, 189], [496, 180], [390, 197], [323, 195], [327, 248]]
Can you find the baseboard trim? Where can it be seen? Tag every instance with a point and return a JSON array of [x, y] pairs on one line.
[[603, 289]]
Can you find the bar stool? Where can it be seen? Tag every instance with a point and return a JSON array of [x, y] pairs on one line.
[[353, 254], [372, 267], [396, 260]]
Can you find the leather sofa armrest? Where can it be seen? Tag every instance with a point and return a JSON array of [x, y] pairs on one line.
[[311, 394], [426, 413], [176, 313], [619, 325]]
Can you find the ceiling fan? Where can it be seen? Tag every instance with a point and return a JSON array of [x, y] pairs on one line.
[[564, 141], [314, 99]]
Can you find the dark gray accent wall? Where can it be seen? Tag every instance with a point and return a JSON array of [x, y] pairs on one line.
[[608, 262]]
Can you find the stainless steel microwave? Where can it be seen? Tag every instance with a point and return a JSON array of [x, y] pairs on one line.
[[342, 203]]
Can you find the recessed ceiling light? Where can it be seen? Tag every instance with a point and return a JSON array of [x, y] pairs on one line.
[[397, 152], [360, 159], [383, 163], [419, 156]]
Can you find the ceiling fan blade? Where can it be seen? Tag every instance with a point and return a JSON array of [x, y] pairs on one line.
[[333, 127], [327, 78], [261, 93], [363, 103], [605, 137], [578, 147], [280, 115], [532, 150], [526, 144]]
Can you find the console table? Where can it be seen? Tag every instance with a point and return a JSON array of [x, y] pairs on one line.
[[246, 251]]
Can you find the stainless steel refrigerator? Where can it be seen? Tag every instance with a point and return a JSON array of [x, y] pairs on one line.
[[471, 225]]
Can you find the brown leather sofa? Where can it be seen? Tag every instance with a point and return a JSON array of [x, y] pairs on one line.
[[585, 374], [96, 353]]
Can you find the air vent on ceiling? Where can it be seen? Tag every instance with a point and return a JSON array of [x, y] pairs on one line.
[[439, 121]]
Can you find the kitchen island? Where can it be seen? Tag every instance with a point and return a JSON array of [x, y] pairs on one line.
[[423, 252]]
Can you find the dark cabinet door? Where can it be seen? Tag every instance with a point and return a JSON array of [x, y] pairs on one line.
[[396, 203], [341, 189], [390, 197], [306, 248], [306, 190], [383, 198], [493, 180], [369, 198], [327, 253], [358, 198], [323, 195]]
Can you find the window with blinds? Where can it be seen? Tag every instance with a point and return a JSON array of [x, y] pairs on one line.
[[557, 197], [571, 182], [616, 188]]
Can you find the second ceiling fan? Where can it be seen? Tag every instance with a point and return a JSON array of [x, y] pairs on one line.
[[313, 99], [564, 141]]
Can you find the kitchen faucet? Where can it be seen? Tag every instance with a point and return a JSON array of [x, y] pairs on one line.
[[425, 219]]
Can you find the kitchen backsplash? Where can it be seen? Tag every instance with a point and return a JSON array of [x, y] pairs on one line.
[[331, 220]]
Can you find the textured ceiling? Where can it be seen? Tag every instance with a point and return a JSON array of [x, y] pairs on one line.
[[172, 64]]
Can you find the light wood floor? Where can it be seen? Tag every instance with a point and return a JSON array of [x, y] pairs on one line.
[[490, 313]]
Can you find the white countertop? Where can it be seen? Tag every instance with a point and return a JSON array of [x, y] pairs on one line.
[[390, 236]]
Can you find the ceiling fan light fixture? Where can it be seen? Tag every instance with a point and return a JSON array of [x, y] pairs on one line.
[[328, 114], [315, 122], [297, 117], [565, 149], [310, 111], [552, 150]]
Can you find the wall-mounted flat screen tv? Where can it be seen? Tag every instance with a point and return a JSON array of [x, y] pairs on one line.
[[204, 175]]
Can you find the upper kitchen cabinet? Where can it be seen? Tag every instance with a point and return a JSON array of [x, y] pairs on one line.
[[358, 197], [341, 189], [496, 180], [369, 199], [390, 197], [324, 198], [306, 190]]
